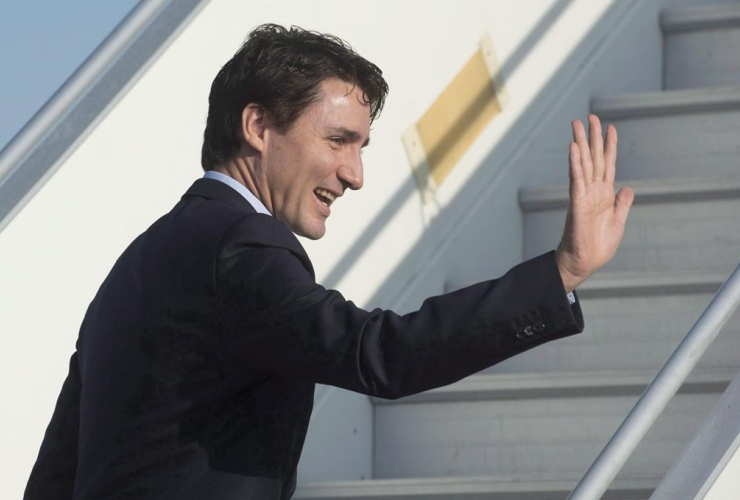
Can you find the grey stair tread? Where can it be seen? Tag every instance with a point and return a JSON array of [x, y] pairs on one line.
[[632, 333], [675, 134], [646, 191], [682, 19], [700, 47], [500, 386], [528, 436], [633, 322], [666, 102], [680, 226], [611, 284], [628, 283], [470, 488]]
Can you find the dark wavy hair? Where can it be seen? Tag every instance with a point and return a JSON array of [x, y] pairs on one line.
[[281, 70]]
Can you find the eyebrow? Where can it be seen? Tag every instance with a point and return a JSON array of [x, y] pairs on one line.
[[350, 134]]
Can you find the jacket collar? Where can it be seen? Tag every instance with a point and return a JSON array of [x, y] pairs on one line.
[[215, 190], [268, 230]]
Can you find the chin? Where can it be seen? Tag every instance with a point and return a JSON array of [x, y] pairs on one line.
[[315, 235], [312, 233]]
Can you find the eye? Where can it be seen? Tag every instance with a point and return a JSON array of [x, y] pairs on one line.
[[337, 140]]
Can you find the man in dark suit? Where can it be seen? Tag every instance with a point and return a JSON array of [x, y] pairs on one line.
[[197, 359]]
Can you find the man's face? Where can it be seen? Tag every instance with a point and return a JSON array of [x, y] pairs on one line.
[[306, 168]]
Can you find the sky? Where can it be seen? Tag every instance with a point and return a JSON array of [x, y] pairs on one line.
[[42, 42]]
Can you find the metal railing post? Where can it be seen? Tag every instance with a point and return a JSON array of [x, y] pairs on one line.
[[657, 395]]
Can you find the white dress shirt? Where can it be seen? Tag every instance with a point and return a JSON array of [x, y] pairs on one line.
[[239, 188]]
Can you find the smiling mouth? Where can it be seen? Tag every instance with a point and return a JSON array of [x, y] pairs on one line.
[[325, 196]]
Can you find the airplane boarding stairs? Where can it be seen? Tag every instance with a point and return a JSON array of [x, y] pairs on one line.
[[530, 427]]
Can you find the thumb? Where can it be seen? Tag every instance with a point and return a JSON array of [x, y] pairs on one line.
[[625, 198]]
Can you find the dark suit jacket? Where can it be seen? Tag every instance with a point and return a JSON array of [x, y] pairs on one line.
[[196, 362]]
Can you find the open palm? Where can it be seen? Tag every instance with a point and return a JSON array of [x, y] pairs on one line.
[[596, 217]]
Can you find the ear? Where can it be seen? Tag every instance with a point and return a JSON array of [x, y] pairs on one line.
[[253, 126]]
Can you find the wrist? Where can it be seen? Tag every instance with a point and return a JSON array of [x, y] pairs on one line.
[[570, 280]]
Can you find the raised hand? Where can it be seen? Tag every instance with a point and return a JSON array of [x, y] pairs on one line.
[[596, 217]]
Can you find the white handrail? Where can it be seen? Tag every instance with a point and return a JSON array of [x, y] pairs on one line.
[[655, 398], [77, 84]]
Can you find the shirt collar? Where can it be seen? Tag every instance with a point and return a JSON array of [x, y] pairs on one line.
[[239, 188]]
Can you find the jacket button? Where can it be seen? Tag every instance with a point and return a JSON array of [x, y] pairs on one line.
[[520, 334], [538, 327], [528, 331]]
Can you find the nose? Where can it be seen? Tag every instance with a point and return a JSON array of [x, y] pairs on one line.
[[351, 172]]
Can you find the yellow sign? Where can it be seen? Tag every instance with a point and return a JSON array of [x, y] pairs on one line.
[[455, 120]]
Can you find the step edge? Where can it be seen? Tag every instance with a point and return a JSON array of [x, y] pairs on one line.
[[623, 283], [700, 18], [645, 283], [564, 384], [535, 199], [666, 102], [466, 484]]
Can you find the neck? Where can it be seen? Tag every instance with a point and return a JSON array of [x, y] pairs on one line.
[[241, 171]]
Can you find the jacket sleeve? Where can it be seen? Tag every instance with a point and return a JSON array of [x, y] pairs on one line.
[[276, 320], [53, 474]]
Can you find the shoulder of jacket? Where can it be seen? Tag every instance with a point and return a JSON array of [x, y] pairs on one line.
[[260, 230]]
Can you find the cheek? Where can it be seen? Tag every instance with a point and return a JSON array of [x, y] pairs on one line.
[[326, 165]]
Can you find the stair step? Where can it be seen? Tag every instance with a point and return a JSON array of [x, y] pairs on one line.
[[625, 284], [700, 18], [506, 386], [701, 46], [678, 133], [634, 322], [533, 435], [666, 103], [675, 225], [646, 191], [468, 488]]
